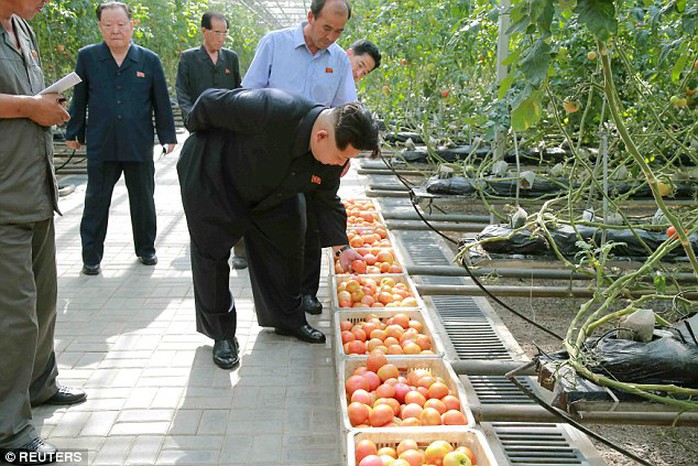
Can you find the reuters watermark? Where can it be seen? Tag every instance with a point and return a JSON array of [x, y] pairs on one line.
[[66, 457]]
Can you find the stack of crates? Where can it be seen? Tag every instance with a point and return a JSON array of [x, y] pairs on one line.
[[356, 313]]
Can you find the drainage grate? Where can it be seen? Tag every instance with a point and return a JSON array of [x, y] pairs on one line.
[[385, 182], [493, 389], [421, 247], [475, 340], [536, 444], [457, 308]]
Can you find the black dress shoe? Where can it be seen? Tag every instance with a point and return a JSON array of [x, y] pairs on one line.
[[239, 263], [311, 305], [151, 259], [66, 396], [303, 333], [91, 269], [225, 353], [35, 452]]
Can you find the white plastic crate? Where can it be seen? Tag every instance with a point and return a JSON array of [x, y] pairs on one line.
[[471, 438], [364, 201], [371, 229], [436, 366], [392, 251], [355, 316], [399, 278]]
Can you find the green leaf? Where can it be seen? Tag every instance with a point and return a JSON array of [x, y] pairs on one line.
[[599, 16], [505, 85], [513, 58], [542, 13], [534, 65], [526, 114], [679, 63]]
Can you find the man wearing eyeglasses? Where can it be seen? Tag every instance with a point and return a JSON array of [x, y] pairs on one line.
[[205, 67], [123, 86]]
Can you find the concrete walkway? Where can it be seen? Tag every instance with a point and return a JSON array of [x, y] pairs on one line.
[[128, 338]]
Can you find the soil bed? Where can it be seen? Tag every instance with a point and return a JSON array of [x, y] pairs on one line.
[[662, 446]]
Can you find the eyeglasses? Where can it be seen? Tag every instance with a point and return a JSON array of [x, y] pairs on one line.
[[217, 33]]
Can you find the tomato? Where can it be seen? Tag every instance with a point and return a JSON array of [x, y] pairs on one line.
[[591, 55], [671, 232], [570, 106], [664, 188]]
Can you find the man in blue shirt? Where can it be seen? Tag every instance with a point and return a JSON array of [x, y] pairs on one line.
[[306, 61], [123, 84]]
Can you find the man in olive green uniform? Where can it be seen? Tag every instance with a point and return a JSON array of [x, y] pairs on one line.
[[28, 198]]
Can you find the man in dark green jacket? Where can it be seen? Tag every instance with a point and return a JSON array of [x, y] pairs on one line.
[[241, 173], [28, 200]]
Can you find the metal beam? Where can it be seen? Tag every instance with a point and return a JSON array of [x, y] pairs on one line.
[[527, 291]]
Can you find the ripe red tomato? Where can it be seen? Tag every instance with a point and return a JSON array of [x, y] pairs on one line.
[[358, 266], [444, 93], [671, 232]]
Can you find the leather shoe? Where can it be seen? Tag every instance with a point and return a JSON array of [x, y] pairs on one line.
[[91, 269], [35, 452], [66, 396], [303, 333], [311, 305], [239, 263], [148, 260], [225, 353]]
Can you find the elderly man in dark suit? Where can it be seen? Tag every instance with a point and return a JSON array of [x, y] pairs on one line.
[[123, 84], [206, 67], [241, 173]]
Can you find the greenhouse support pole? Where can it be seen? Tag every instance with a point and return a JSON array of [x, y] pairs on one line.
[[502, 54], [604, 156]]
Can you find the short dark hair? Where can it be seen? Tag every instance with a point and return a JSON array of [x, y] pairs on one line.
[[112, 5], [365, 46], [317, 5], [208, 16], [354, 124]]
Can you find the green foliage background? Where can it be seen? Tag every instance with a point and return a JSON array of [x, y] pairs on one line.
[[164, 26]]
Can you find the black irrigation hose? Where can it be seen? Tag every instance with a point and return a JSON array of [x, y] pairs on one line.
[[465, 265], [512, 375], [569, 420], [66, 162]]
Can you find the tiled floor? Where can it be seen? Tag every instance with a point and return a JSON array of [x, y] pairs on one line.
[[128, 338]]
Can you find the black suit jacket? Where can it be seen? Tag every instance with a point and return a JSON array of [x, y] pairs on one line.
[[196, 73], [249, 152]]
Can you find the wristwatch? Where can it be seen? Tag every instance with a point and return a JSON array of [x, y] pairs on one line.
[[341, 250]]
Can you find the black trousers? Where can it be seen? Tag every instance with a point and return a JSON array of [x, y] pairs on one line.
[[274, 242], [140, 183], [312, 255]]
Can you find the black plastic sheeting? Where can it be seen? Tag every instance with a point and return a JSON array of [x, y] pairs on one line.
[[542, 187], [670, 358], [565, 238], [461, 152], [459, 185]]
